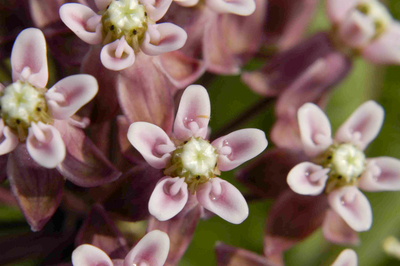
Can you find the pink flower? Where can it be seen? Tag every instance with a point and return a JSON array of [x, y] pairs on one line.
[[152, 250], [191, 163], [240, 7], [124, 28], [347, 257], [339, 166]]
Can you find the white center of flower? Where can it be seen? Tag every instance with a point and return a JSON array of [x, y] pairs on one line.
[[21, 104], [348, 161], [125, 18], [378, 13]]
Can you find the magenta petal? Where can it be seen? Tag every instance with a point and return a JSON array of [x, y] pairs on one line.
[[308, 178], [315, 129], [352, 206], [29, 58], [9, 141], [68, 95], [337, 231], [362, 126], [89, 255], [193, 113], [168, 198], [223, 199], [152, 249], [38, 190], [232, 256], [152, 142], [381, 173], [347, 257], [239, 147], [83, 21], [117, 55], [3, 166], [238, 7], [156, 8], [171, 38]]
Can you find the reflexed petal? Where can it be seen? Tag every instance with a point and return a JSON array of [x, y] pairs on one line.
[[171, 38], [381, 173], [238, 7], [45, 145], [168, 198], [347, 257], [338, 9], [102, 4], [239, 147], [357, 30], [223, 199], [187, 3], [315, 129], [152, 250], [89, 255], [362, 126], [308, 178], [83, 21], [352, 206], [68, 95], [337, 231], [157, 9], [232, 256], [152, 142], [193, 113], [117, 55], [9, 141], [29, 59]]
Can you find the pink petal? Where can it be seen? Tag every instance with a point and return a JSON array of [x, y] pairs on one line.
[[337, 231], [156, 8], [68, 95], [102, 4], [338, 9], [117, 55], [362, 126], [232, 256], [386, 48], [89, 255], [29, 59], [307, 178], [168, 198], [239, 147], [152, 142], [357, 30], [45, 145], [223, 199], [170, 38], [83, 21], [352, 206], [152, 250], [193, 113], [381, 173], [347, 257], [187, 3], [315, 129], [9, 141], [238, 7]]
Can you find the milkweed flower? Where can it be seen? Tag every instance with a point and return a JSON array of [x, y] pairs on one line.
[[124, 28], [347, 257], [191, 163], [339, 166], [152, 250]]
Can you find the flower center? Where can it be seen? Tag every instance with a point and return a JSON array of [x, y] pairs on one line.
[[346, 162], [378, 13], [22, 104], [125, 18], [195, 160]]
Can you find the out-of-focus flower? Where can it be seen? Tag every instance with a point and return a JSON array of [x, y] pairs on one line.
[[124, 27], [391, 246], [191, 163], [347, 257], [152, 249], [241, 7]]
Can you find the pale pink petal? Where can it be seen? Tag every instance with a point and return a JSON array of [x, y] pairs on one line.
[[338, 9], [167, 37], [68, 95], [382, 173], [117, 55], [238, 7], [362, 126], [9, 141], [347, 257], [239, 147], [187, 3], [223, 199], [386, 48], [152, 250], [315, 129], [156, 9], [168, 198], [193, 113], [102, 4], [337, 231], [352, 206], [307, 178], [357, 30], [29, 58], [152, 142], [45, 145], [88, 255], [83, 21]]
